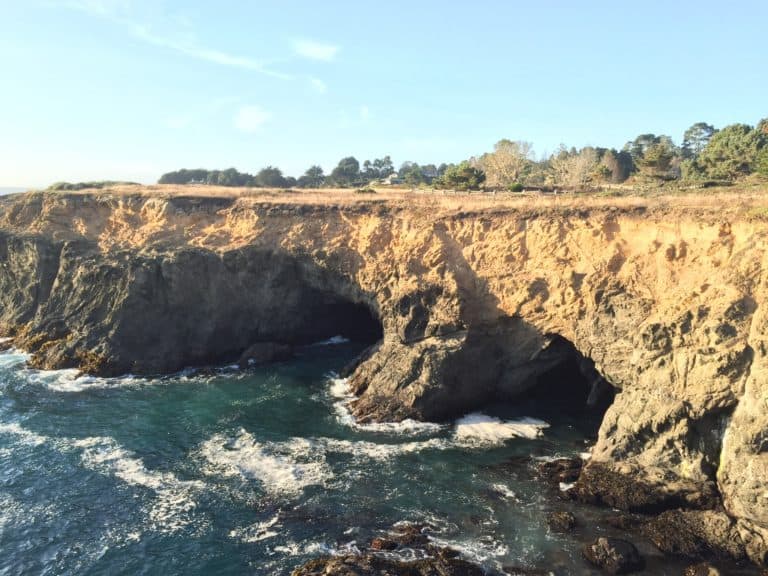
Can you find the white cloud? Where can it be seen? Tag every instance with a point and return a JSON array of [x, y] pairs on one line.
[[315, 50], [250, 119], [119, 11], [320, 86], [365, 113]]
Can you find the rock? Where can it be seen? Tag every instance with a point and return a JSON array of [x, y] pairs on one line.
[[264, 353], [700, 535], [525, 571], [562, 470], [438, 560], [561, 521], [410, 535], [702, 569], [624, 521], [614, 555], [371, 565], [600, 483], [383, 544]]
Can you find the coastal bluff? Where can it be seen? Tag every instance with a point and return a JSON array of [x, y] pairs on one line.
[[658, 303]]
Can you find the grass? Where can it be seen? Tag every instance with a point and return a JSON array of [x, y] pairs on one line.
[[750, 197]]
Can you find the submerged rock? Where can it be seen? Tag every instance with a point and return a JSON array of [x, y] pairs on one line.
[[372, 565], [701, 535], [561, 471], [436, 560], [600, 483], [614, 555], [561, 521]]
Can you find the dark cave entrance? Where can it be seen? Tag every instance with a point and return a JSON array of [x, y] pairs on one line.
[[568, 389], [331, 316]]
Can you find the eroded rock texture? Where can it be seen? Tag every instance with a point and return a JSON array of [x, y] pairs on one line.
[[666, 304]]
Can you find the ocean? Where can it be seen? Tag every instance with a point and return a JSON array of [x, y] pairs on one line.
[[224, 471]]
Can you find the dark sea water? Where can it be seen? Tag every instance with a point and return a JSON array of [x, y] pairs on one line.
[[254, 472]]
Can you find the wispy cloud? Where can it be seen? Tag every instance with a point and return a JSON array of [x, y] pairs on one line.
[[320, 86], [119, 11], [250, 119], [365, 113], [315, 50]]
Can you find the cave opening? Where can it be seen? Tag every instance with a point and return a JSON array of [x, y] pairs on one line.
[[567, 389], [333, 316]]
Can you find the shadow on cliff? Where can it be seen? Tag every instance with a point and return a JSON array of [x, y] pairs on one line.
[[155, 313]]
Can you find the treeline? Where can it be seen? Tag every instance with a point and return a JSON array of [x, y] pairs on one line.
[[705, 155], [98, 184]]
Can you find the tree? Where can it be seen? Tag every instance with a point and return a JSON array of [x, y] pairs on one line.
[[312, 178], [732, 152], [654, 156], [762, 126], [184, 176], [574, 169], [413, 175], [616, 166], [383, 167], [508, 163], [461, 177], [347, 172], [270, 177], [658, 159], [696, 138], [229, 177], [761, 164]]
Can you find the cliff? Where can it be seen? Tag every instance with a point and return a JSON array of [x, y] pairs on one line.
[[659, 300]]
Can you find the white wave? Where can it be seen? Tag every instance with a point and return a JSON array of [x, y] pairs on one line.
[[72, 380], [339, 388], [174, 499], [565, 486], [13, 357], [364, 450], [291, 548], [26, 436], [332, 341], [478, 429], [282, 468], [505, 491], [257, 532], [480, 550]]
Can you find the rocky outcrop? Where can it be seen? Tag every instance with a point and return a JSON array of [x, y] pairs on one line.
[[614, 556], [662, 300]]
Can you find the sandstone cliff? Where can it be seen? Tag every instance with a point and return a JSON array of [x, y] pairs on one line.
[[664, 299]]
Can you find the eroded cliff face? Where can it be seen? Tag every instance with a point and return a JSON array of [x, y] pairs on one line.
[[665, 303]]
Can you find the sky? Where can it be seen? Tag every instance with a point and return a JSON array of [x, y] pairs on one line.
[[130, 89]]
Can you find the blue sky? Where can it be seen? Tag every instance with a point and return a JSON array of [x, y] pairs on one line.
[[121, 89]]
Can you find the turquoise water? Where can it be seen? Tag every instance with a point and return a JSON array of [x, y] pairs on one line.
[[253, 472]]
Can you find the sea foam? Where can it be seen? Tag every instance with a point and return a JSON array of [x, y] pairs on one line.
[[174, 499], [332, 341], [282, 468], [477, 430], [26, 437]]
